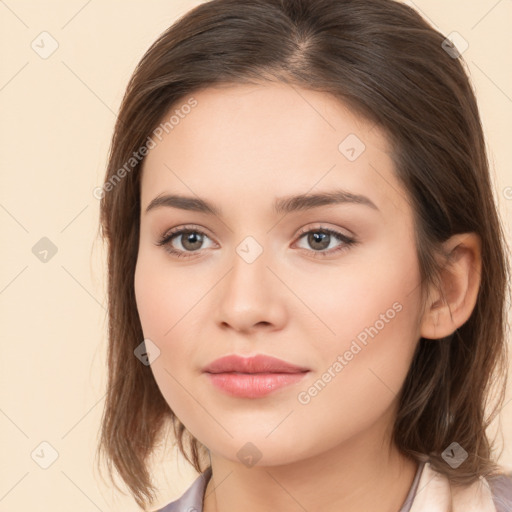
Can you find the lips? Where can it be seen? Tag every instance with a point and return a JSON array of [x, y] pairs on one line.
[[252, 377], [255, 364]]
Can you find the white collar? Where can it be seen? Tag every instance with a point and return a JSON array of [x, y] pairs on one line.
[[435, 493]]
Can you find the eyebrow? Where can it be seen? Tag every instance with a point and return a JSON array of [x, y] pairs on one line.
[[287, 204]]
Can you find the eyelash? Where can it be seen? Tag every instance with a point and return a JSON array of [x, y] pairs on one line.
[[168, 236]]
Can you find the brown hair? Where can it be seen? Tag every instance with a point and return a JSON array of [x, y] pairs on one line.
[[389, 65]]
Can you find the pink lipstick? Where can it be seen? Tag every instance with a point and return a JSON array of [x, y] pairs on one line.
[[253, 377]]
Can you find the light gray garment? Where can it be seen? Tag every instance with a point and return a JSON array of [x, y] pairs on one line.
[[192, 499]]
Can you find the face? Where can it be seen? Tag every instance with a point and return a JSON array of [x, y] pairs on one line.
[[330, 286]]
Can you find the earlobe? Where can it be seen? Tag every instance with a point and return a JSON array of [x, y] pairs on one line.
[[447, 309]]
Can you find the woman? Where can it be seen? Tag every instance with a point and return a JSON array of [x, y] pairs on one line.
[[307, 271]]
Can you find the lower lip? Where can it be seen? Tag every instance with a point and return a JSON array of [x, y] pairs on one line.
[[253, 385]]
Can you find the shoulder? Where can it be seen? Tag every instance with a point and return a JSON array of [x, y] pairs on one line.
[[192, 499], [501, 489]]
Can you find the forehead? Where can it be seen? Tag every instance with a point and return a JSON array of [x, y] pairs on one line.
[[244, 143]]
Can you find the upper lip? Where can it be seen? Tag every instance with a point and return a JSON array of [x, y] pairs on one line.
[[255, 364]]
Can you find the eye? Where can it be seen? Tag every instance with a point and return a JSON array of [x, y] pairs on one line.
[[320, 238], [190, 239]]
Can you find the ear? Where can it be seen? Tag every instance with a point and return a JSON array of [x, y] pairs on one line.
[[447, 309]]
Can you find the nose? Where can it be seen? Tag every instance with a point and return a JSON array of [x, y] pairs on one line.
[[251, 296]]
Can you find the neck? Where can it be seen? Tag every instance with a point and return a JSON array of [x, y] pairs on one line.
[[359, 474]]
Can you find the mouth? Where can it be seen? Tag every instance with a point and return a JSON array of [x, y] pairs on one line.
[[253, 377]]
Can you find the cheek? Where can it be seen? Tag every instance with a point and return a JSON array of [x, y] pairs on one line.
[[152, 303], [361, 373], [164, 296], [352, 301], [167, 302], [160, 307], [372, 314]]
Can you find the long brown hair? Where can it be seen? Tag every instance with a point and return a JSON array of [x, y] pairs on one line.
[[389, 65]]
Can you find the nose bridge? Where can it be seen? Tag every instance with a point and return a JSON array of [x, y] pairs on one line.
[[249, 276], [249, 295]]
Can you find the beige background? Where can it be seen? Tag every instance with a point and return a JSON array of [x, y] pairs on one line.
[[57, 116]]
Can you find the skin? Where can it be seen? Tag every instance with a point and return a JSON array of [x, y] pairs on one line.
[[240, 148]]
